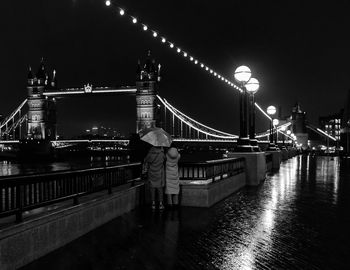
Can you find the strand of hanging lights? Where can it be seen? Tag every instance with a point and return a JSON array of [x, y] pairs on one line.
[[179, 51], [173, 46]]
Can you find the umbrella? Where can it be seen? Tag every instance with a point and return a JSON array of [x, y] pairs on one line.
[[155, 136]]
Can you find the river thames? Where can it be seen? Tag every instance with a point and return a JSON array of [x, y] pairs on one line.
[[297, 219]]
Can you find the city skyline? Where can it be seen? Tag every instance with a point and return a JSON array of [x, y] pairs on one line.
[[292, 52]]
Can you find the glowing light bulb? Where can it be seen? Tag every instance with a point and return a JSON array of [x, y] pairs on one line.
[[215, 74], [195, 62], [222, 78], [171, 45], [163, 40], [145, 28], [155, 34], [178, 50], [211, 71], [134, 20], [202, 66], [108, 3], [185, 54], [191, 58], [121, 12], [219, 76], [206, 68]]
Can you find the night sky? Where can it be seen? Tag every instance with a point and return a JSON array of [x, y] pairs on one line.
[[298, 51]]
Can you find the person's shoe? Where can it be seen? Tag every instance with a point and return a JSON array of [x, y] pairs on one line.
[[161, 206]]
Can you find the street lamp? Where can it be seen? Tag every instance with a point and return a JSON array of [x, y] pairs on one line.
[[252, 86], [275, 123], [271, 110], [242, 75]]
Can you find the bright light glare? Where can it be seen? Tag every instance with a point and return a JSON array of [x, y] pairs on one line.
[[171, 45], [275, 122], [178, 50], [163, 40], [242, 74], [145, 28], [185, 54], [108, 3], [252, 85], [211, 71], [196, 62], [134, 20], [191, 58], [271, 110], [155, 34], [121, 12], [206, 68], [202, 66]]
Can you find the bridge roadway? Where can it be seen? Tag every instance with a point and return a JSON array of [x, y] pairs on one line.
[[297, 219]]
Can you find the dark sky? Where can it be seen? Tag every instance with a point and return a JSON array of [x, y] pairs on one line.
[[298, 51]]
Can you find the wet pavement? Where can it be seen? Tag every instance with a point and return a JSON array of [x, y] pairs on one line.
[[297, 219]]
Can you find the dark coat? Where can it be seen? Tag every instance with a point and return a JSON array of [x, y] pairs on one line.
[[154, 165]]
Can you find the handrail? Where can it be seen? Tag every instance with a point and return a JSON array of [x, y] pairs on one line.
[[26, 192]]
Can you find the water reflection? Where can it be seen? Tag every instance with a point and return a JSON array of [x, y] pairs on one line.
[[8, 167]]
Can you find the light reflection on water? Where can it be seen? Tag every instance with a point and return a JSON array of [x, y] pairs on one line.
[[10, 168]]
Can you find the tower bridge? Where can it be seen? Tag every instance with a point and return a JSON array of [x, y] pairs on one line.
[[35, 117]]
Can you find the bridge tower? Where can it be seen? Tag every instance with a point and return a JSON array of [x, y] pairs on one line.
[[147, 78], [41, 109], [299, 126]]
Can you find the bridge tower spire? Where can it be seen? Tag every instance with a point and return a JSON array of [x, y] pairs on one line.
[[41, 110], [147, 79]]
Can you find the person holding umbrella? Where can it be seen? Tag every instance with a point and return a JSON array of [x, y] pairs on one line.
[[154, 161]]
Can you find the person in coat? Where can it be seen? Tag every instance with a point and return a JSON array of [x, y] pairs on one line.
[[172, 182], [153, 165]]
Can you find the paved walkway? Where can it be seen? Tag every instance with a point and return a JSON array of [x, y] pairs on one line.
[[297, 219]]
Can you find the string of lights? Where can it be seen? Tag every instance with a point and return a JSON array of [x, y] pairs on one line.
[[173, 46], [178, 49]]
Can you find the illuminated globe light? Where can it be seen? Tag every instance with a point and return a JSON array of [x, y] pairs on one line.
[[206, 68], [145, 28], [202, 66], [222, 78], [185, 54], [211, 71], [275, 122], [219, 76], [121, 12], [252, 85], [195, 62], [171, 45], [271, 110], [191, 58], [108, 3], [178, 50], [242, 74], [215, 74], [155, 34], [134, 20], [289, 132], [163, 40]]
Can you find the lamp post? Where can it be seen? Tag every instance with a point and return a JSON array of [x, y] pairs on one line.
[[271, 110], [283, 134], [252, 86], [242, 75], [275, 123]]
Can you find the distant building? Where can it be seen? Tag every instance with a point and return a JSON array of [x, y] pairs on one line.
[[332, 124]]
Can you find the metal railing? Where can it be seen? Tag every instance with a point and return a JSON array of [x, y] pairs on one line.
[[211, 170], [23, 193]]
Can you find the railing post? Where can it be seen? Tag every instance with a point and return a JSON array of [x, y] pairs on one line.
[[19, 203], [75, 187]]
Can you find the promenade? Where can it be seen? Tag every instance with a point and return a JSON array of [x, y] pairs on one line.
[[297, 219]]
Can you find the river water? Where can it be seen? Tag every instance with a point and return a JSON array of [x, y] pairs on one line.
[[297, 219], [13, 167]]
